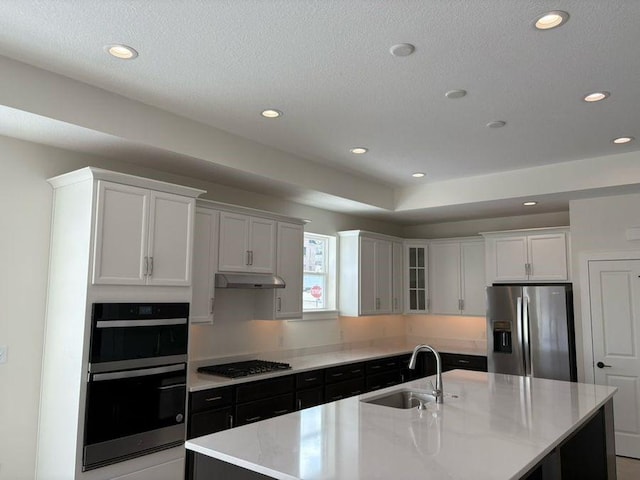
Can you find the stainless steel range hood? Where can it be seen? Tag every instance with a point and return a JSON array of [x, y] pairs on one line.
[[248, 280]]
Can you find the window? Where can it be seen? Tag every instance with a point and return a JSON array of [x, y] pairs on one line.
[[318, 286]]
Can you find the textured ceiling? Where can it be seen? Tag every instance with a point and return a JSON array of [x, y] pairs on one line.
[[326, 65]]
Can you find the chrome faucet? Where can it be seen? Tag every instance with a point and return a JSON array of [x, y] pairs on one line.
[[437, 392]]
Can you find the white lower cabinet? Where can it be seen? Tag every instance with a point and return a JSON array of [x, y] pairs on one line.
[[173, 470], [456, 277]]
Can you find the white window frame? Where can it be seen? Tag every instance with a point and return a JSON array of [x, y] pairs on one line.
[[330, 311]]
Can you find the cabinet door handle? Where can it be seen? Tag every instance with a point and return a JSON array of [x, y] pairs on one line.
[[150, 266], [280, 412], [250, 257], [146, 266], [312, 379], [213, 399], [230, 421], [253, 419], [463, 361], [358, 370], [248, 262], [279, 304], [462, 304], [375, 367], [357, 392], [299, 404], [211, 306], [337, 374]]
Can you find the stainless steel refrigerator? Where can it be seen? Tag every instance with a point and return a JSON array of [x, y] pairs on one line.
[[530, 331]]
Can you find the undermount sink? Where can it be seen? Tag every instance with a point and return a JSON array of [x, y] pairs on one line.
[[402, 399]]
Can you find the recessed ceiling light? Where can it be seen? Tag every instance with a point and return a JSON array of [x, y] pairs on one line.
[[455, 93], [622, 140], [359, 150], [122, 52], [529, 204], [551, 20], [596, 96], [496, 124], [418, 175], [271, 113], [402, 50]]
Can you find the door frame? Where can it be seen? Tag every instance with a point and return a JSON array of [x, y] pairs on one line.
[[585, 303]]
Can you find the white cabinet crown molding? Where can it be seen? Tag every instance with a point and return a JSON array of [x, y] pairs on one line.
[[526, 231], [88, 173], [252, 212]]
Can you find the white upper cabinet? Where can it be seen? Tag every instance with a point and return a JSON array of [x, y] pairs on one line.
[[538, 255], [416, 276], [456, 277], [367, 274], [142, 236], [397, 277], [288, 300], [205, 262], [247, 244]]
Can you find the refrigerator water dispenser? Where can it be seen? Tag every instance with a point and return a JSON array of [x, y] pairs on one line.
[[502, 337]]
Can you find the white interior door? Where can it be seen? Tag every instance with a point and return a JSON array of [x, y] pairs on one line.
[[615, 321]]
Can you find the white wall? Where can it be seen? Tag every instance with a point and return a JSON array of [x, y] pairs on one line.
[[598, 225], [25, 215]]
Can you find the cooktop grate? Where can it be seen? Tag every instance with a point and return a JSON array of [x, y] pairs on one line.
[[242, 369]]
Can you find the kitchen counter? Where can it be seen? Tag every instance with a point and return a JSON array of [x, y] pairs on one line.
[[491, 427], [311, 359]]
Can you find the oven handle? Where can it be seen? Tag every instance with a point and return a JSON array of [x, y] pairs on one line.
[[140, 323], [169, 387], [100, 377]]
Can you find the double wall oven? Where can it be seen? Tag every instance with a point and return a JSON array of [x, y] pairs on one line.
[[136, 387]]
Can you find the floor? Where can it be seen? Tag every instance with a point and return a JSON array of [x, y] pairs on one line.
[[628, 468]]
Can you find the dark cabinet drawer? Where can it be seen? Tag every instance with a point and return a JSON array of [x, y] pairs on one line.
[[344, 372], [383, 365], [212, 398], [247, 392], [340, 390], [310, 379], [309, 397], [212, 421], [452, 361], [263, 409], [382, 380]]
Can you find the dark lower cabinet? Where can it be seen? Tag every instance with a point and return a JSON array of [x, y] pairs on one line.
[[309, 397], [262, 409], [212, 421], [383, 380], [451, 361], [340, 390]]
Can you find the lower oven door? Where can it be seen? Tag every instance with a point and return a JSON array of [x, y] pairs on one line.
[[134, 412]]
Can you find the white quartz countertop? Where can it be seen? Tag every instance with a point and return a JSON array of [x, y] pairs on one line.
[[304, 361], [497, 428]]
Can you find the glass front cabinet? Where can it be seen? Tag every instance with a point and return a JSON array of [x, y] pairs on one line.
[[416, 275]]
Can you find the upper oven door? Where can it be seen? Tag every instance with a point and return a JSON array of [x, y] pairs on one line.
[[135, 335]]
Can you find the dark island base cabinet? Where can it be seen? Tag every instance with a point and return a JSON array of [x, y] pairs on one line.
[[588, 454]]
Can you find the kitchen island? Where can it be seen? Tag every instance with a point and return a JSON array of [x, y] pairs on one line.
[[490, 427]]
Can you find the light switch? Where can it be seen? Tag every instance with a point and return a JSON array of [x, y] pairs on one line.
[[4, 351]]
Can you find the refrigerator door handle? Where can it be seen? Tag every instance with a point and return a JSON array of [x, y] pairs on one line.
[[526, 346]]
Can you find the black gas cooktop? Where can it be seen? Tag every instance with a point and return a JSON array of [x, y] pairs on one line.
[[242, 369]]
